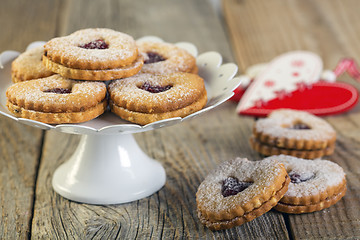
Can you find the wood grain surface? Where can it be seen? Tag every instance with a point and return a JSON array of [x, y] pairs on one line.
[[246, 31], [260, 31]]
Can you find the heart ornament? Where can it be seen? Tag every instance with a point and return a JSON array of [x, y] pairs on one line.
[[292, 80]]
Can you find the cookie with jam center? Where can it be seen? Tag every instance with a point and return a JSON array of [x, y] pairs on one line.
[[93, 54], [293, 132], [56, 100], [239, 190], [163, 58], [146, 98], [315, 184]]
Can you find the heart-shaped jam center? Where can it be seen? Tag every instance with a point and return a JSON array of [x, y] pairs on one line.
[[232, 186], [97, 44], [154, 88], [153, 57], [58, 90], [300, 126], [300, 177]]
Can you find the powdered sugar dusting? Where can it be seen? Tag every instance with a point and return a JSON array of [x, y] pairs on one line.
[[278, 121], [263, 173], [182, 93], [325, 173], [32, 95], [176, 59], [120, 46], [29, 64]]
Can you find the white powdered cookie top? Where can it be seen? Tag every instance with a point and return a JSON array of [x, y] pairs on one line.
[[185, 89], [316, 175], [263, 174], [34, 95], [120, 46], [279, 122], [176, 59], [29, 64]]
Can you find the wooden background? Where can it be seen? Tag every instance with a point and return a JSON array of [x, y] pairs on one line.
[[246, 31]]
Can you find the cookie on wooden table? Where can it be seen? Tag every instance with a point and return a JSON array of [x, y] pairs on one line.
[[315, 184], [239, 190], [293, 132]]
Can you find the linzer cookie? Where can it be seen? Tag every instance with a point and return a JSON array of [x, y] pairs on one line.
[[240, 190], [93, 54], [57, 100], [28, 66], [295, 133], [315, 184], [163, 58], [146, 98]]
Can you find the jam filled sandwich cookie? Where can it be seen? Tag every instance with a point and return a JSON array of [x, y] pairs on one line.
[[57, 100], [240, 190], [146, 98], [93, 54], [295, 133], [28, 66], [315, 184], [162, 58]]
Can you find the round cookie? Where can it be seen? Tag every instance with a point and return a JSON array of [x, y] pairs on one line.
[[57, 100], [315, 184], [268, 150], [293, 132], [28, 66], [93, 54], [239, 190], [163, 58], [146, 98]]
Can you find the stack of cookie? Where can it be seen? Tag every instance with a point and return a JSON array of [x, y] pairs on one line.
[[234, 194], [293, 132], [68, 78], [240, 190], [315, 184]]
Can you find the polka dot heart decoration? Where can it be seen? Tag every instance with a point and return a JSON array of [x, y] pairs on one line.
[[296, 80]]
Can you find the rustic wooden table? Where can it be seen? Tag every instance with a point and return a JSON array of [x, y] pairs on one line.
[[248, 32]]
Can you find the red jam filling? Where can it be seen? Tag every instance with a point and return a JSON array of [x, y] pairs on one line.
[[58, 91], [232, 186], [299, 178], [154, 88], [97, 44], [300, 126], [153, 57]]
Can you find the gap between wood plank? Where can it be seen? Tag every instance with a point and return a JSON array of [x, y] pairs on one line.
[[288, 226], [35, 183]]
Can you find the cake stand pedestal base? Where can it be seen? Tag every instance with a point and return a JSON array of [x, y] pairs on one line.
[[108, 169]]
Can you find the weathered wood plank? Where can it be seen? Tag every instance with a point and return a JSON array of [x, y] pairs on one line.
[[20, 149], [262, 30], [20, 145], [188, 151], [23, 22]]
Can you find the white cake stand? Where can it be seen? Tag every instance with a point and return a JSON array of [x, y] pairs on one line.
[[108, 166]]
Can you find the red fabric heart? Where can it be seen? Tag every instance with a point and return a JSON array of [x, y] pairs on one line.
[[321, 98]]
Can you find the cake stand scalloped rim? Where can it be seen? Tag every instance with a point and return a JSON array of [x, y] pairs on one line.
[[219, 79]]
